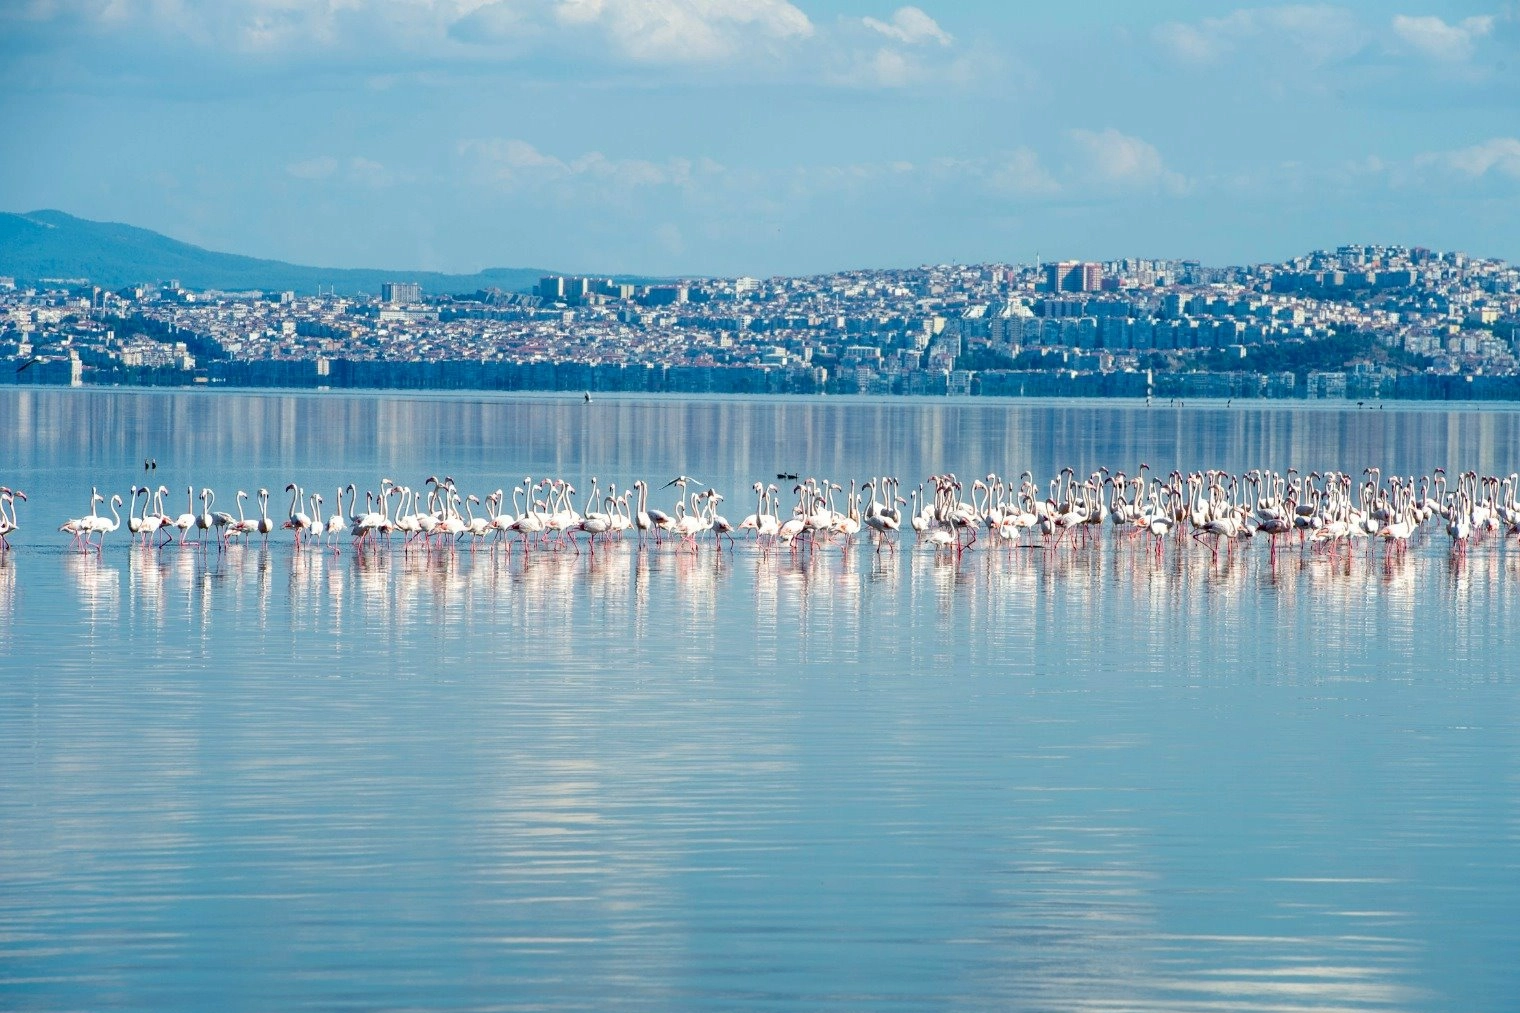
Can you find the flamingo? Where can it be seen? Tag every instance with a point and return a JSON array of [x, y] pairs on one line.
[[103, 527], [719, 524], [265, 524], [336, 524], [9, 524], [204, 520], [300, 520], [185, 521], [80, 528], [245, 525]]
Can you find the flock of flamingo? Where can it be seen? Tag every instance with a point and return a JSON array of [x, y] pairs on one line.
[[1215, 508]]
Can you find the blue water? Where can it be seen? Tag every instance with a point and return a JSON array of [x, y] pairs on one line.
[[1085, 780]]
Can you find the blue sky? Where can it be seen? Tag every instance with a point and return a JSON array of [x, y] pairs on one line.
[[765, 136]]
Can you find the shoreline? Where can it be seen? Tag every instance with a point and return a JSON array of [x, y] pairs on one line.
[[601, 398]]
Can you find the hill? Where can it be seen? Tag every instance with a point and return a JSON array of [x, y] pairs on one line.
[[52, 244]]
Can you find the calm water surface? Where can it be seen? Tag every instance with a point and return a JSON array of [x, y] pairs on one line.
[[270, 779]]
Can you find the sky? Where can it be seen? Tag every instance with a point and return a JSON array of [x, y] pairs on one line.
[[727, 137]]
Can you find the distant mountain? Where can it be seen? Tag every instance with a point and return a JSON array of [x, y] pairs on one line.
[[51, 244]]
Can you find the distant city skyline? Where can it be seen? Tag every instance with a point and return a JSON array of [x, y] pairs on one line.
[[765, 137]]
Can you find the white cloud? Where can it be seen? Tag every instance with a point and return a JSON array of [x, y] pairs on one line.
[[669, 236], [885, 68], [1114, 159], [1498, 155], [1434, 38], [655, 31], [277, 28], [370, 173], [911, 50], [684, 31], [766, 39], [321, 167], [512, 163], [356, 170], [1022, 174], [910, 25], [1320, 33]]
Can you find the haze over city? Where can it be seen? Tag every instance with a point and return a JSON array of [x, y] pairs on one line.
[[765, 137]]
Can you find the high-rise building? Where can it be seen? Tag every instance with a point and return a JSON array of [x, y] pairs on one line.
[[665, 295], [1092, 277], [1073, 276], [1055, 275], [400, 293], [552, 287]]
